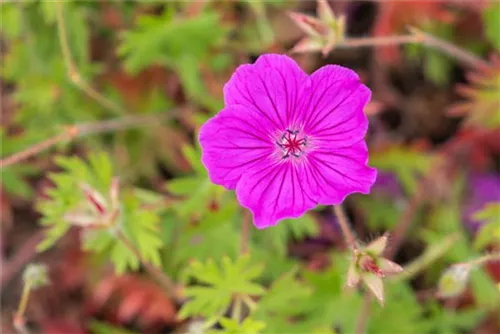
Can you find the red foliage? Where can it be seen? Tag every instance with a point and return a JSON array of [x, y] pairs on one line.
[[133, 89], [132, 298], [394, 16], [475, 147], [61, 326]]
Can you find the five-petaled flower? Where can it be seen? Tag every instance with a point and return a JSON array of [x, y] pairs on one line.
[[287, 141], [369, 266]]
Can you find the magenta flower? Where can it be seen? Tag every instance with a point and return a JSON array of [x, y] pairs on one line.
[[287, 141]]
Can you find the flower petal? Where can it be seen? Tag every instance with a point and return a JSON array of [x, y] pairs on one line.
[[333, 175], [274, 192], [375, 285], [232, 142], [83, 219], [345, 126], [334, 112], [388, 267], [353, 277], [377, 246], [272, 86]]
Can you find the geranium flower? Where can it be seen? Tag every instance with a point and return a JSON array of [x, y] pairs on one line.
[[287, 141]]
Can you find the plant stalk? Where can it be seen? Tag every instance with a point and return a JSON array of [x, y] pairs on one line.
[[163, 279], [344, 225]]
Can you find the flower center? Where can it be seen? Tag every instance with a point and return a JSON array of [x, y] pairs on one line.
[[292, 143], [367, 264]]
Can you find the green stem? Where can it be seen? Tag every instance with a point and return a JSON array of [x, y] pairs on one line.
[[163, 279], [344, 225], [236, 314], [431, 254], [249, 302], [19, 322], [245, 232], [484, 259], [73, 73]]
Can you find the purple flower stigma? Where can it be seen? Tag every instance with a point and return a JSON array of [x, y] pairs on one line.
[[292, 143]]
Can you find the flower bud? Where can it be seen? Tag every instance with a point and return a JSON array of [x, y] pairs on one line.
[[453, 281], [368, 265], [36, 275], [323, 32]]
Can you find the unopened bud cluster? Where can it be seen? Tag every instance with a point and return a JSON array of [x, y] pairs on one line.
[[368, 266], [323, 32], [95, 210], [35, 275], [454, 281]]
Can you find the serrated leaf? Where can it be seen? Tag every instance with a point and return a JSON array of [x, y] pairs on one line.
[[276, 239], [193, 155], [179, 43], [199, 238], [406, 163], [166, 39], [328, 306], [284, 299], [449, 322], [232, 326], [221, 282], [139, 225], [490, 229], [401, 301]]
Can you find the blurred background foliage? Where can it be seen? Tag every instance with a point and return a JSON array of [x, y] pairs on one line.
[[434, 136]]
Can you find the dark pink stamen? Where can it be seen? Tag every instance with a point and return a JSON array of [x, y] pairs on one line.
[[95, 203], [292, 144], [370, 266]]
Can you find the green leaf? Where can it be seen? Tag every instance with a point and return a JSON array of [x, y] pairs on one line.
[[11, 14], [490, 230], [214, 236], [276, 239], [381, 213], [166, 39], [453, 321], [99, 327], [405, 313], [198, 198], [437, 67], [183, 186], [48, 10], [193, 156], [179, 43], [199, 191], [408, 164], [330, 306], [284, 301], [491, 20], [232, 326], [220, 283], [141, 229], [139, 225], [446, 220]]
